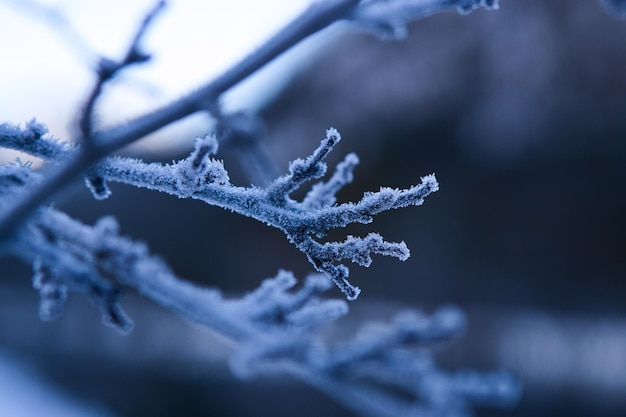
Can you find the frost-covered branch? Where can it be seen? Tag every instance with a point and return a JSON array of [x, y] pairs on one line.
[[300, 221], [203, 178]]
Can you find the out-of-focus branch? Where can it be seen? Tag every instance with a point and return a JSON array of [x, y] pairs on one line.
[[108, 68], [274, 328]]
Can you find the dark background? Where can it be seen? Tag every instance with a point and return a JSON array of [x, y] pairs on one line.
[[521, 113]]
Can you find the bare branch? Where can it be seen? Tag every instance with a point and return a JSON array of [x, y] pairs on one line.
[[108, 69]]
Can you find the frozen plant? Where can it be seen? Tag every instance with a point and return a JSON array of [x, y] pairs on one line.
[[203, 178], [385, 370]]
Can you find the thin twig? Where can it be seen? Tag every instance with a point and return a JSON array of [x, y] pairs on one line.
[[107, 69]]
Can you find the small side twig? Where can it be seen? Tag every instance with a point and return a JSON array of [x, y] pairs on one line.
[[108, 68]]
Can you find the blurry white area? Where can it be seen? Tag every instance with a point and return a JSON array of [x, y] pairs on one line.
[[48, 49], [552, 352], [24, 394]]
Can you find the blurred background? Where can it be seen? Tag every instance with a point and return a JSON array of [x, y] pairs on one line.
[[521, 113]]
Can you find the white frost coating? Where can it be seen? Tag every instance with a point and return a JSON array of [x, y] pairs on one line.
[[33, 138], [203, 178]]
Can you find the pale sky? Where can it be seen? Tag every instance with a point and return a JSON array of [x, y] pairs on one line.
[[44, 75]]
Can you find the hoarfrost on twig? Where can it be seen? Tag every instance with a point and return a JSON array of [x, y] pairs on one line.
[[204, 178]]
